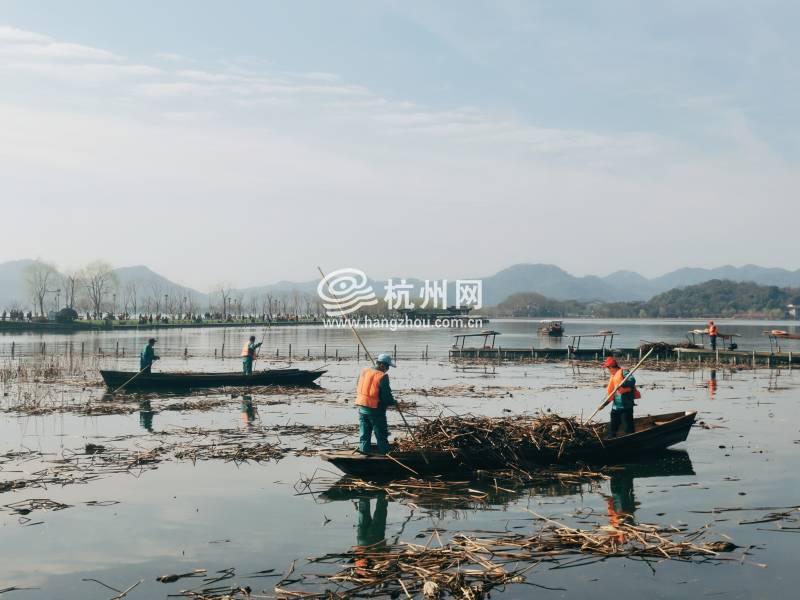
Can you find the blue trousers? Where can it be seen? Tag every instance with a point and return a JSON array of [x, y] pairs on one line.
[[623, 417], [369, 422], [247, 365]]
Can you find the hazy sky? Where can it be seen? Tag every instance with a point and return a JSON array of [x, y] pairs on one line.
[[250, 141]]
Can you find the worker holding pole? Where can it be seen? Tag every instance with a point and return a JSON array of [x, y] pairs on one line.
[[249, 355], [147, 357], [623, 387], [374, 396]]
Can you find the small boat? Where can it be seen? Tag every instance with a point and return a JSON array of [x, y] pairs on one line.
[[651, 434], [165, 381], [551, 328]]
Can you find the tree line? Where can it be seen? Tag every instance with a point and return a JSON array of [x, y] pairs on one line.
[[720, 298]]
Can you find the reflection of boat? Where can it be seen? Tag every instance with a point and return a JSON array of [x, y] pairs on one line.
[[298, 377], [551, 328], [651, 434], [462, 494]]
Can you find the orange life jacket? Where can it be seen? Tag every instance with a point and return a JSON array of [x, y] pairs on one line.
[[246, 351], [712, 330], [368, 388]]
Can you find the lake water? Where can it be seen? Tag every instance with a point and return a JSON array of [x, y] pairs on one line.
[[219, 515], [410, 343]]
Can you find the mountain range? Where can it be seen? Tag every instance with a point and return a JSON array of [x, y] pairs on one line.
[[548, 280]]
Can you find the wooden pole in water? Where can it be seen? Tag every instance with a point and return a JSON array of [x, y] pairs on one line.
[[12, 349]]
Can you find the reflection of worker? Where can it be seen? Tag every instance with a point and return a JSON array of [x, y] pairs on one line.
[[622, 407], [148, 356], [249, 355], [371, 533], [374, 397], [621, 504], [712, 383], [712, 334], [146, 415], [248, 411]]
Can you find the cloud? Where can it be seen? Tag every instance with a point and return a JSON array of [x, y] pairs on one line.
[[26, 44]]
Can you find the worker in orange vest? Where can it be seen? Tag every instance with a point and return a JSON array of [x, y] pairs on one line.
[[712, 334], [622, 407], [249, 355], [374, 396]]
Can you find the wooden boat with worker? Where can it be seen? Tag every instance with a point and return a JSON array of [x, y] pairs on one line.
[[651, 434], [551, 328], [168, 381]]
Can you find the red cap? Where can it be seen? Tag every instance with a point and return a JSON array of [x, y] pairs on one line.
[[610, 362]]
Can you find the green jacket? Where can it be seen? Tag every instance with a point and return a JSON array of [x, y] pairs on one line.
[[147, 356]]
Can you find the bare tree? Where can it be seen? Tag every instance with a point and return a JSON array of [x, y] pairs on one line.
[[99, 280], [224, 290], [130, 296], [71, 283], [38, 275], [156, 294]]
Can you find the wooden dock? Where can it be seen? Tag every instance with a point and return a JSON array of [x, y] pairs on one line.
[[679, 355]]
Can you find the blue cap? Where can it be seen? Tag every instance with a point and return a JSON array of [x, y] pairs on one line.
[[386, 359]]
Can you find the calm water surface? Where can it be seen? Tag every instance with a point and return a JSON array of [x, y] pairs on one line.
[[217, 515]]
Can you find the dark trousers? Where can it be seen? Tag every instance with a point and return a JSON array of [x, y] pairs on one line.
[[622, 416], [367, 423], [146, 370], [247, 365], [713, 339]]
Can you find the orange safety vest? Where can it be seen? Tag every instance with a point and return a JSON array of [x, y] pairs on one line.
[[368, 387], [615, 380], [247, 352], [712, 330]]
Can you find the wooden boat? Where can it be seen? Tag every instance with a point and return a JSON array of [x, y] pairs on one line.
[[667, 463], [551, 328], [295, 377], [651, 434]]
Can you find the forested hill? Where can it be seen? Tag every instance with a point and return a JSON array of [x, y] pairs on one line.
[[723, 298], [719, 298]]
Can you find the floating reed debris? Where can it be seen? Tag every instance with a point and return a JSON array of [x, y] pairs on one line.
[[490, 487], [505, 439], [471, 566]]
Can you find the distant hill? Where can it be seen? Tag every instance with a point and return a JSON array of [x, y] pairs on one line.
[[715, 298], [13, 292], [723, 298], [549, 281]]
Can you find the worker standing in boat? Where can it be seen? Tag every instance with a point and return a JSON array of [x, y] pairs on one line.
[[148, 356], [712, 334], [249, 355], [374, 396], [622, 407]]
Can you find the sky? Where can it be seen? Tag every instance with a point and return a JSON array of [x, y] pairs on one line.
[[247, 142]]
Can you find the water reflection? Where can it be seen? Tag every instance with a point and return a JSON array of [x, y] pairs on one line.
[[712, 384], [488, 492], [248, 411], [371, 531], [146, 414]]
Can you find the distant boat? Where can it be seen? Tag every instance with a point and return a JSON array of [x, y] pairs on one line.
[[162, 381], [551, 328]]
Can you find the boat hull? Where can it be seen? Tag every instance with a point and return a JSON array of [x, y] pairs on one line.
[[652, 434], [153, 381]]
